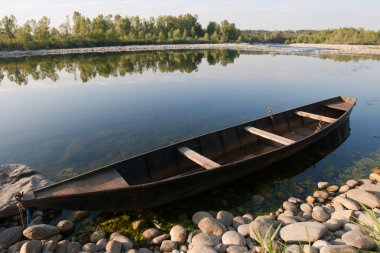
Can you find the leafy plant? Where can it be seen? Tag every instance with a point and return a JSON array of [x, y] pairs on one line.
[[373, 230], [268, 243]]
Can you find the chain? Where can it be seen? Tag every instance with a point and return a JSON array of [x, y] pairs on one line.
[[20, 207]]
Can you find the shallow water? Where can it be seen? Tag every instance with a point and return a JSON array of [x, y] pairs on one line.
[[64, 115]]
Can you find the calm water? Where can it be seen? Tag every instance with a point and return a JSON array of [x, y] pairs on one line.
[[70, 114]]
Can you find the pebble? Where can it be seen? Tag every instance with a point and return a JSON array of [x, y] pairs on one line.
[[233, 238], [243, 230], [295, 200], [310, 200], [236, 249], [248, 218], [168, 246], [303, 232], [15, 248], [150, 233], [332, 188], [225, 218], [286, 219], [79, 215], [319, 214], [39, 232], [343, 215], [210, 225], [237, 221], [350, 226], [96, 236], [62, 246], [10, 236], [74, 247], [113, 246], [338, 249], [320, 244], [143, 250], [352, 183], [159, 239], [126, 243], [198, 216], [344, 188], [321, 194], [309, 249], [202, 249], [102, 243], [90, 247], [306, 208], [347, 203], [206, 239], [289, 206], [263, 225], [322, 185], [293, 248], [358, 240], [333, 224], [364, 197], [49, 247], [339, 233], [178, 234], [33, 246], [65, 226], [138, 224]]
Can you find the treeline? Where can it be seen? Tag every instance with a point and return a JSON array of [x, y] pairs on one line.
[[81, 31], [351, 36]]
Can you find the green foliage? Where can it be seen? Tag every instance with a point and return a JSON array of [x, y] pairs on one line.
[[267, 242], [110, 30], [371, 230]]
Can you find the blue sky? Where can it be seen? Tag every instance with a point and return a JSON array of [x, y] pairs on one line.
[[253, 14]]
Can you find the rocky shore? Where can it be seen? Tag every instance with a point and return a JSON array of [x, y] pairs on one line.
[[293, 48], [332, 219]]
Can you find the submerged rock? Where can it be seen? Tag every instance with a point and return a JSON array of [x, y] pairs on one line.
[[16, 178]]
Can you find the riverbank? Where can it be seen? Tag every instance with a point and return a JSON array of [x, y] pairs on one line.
[[331, 219], [272, 48]]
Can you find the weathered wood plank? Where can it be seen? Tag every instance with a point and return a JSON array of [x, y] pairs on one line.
[[269, 136], [340, 106], [315, 116], [198, 158]]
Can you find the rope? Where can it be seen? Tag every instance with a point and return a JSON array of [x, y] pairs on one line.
[[20, 207], [28, 217]]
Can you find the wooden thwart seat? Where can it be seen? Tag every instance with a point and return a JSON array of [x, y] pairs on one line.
[[198, 158], [340, 106], [315, 116], [270, 136]]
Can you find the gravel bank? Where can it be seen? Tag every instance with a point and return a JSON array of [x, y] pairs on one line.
[[343, 49]]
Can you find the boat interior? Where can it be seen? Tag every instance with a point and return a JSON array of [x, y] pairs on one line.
[[209, 151]]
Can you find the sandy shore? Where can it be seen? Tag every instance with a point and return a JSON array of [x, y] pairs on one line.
[[343, 49], [273, 48]]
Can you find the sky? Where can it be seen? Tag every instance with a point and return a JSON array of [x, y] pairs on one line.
[[246, 14]]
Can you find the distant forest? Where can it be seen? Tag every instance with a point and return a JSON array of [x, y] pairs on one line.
[[81, 31]]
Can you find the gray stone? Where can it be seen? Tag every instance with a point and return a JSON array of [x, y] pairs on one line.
[[150, 233], [62, 246], [322, 185], [74, 247], [286, 219], [159, 239], [16, 178], [344, 188], [243, 229], [309, 249], [65, 226], [192, 234], [10, 236], [347, 202], [306, 208], [210, 225], [343, 215], [319, 214], [90, 247], [337, 241], [321, 194], [248, 218], [358, 240], [263, 225], [126, 243], [293, 248], [237, 221], [55, 238], [303, 232], [33, 246], [206, 239], [96, 236], [79, 215], [15, 248], [337, 206], [49, 247], [289, 206], [36, 221], [332, 188], [350, 227], [129, 251], [237, 249], [333, 224], [198, 216], [39, 232], [233, 238], [364, 197], [352, 183], [113, 246], [320, 244], [225, 218], [168, 246], [339, 233], [144, 250], [338, 249], [102, 243], [178, 234], [295, 200], [202, 249], [220, 248]]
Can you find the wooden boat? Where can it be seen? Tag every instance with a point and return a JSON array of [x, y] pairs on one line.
[[199, 164]]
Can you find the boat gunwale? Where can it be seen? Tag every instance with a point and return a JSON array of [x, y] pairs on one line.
[[177, 144]]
